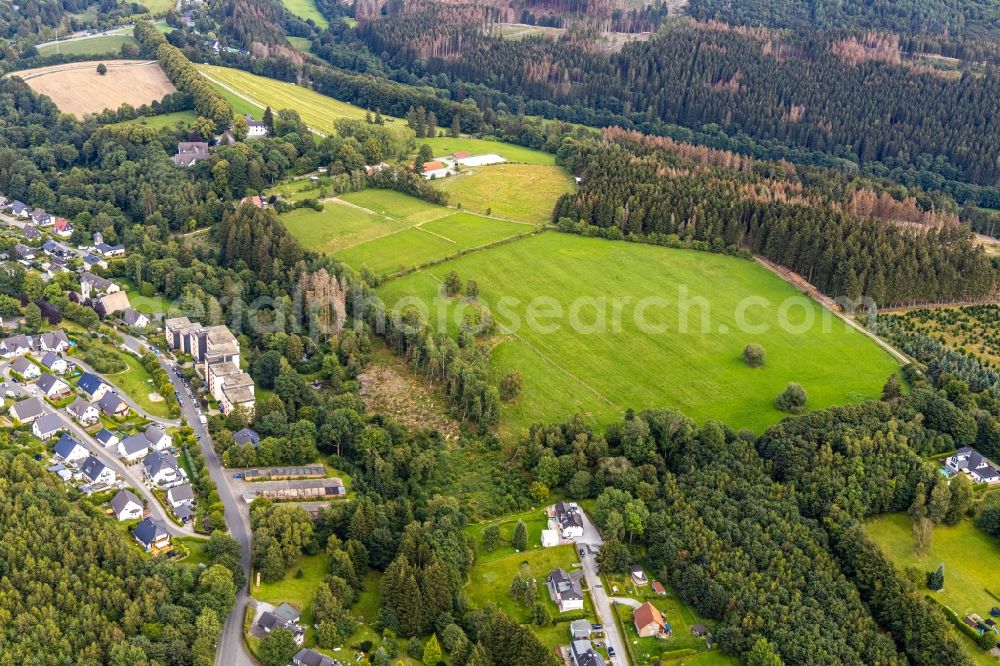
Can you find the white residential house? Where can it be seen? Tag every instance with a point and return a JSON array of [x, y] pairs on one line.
[[46, 426], [255, 128], [25, 368], [26, 411], [565, 590], [152, 535], [97, 473], [133, 448], [54, 363], [570, 518], [68, 450], [161, 469], [53, 387], [55, 341], [135, 319], [973, 464], [107, 438], [180, 496], [127, 506], [157, 438], [16, 345], [93, 386], [84, 412]]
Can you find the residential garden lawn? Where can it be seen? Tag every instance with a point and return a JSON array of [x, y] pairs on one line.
[[135, 381], [300, 189], [318, 111], [535, 521], [605, 369], [428, 242], [489, 581], [298, 592], [99, 45], [523, 192], [196, 548], [164, 120], [971, 561], [144, 304], [305, 10], [443, 146]]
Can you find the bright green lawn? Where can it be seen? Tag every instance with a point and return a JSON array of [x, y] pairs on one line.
[[196, 547], [523, 192], [971, 564], [301, 188], [337, 226], [604, 369], [395, 204], [535, 521], [443, 146], [101, 45], [135, 381], [427, 242], [157, 6], [298, 592], [144, 304], [305, 10], [318, 111], [240, 105]]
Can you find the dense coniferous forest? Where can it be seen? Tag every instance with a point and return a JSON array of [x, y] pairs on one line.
[[840, 236], [802, 91]]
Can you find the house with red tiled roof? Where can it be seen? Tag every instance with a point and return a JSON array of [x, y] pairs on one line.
[[649, 621]]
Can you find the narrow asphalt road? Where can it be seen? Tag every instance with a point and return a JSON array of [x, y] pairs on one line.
[[602, 602], [231, 650]]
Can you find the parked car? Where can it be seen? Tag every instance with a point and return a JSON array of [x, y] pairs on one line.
[[583, 552], [597, 627], [611, 651], [238, 475]]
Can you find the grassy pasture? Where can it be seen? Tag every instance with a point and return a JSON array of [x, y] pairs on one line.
[[305, 10], [318, 111], [607, 367], [100, 45], [300, 43], [165, 120], [394, 204], [447, 145], [428, 241], [523, 192], [337, 226]]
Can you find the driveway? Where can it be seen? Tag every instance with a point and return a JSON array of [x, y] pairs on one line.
[[602, 602]]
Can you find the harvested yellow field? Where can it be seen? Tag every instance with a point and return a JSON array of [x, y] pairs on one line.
[[77, 88]]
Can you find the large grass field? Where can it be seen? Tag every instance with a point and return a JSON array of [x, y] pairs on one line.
[[971, 564], [599, 368], [318, 111], [100, 45], [447, 145], [305, 10], [386, 231], [523, 192]]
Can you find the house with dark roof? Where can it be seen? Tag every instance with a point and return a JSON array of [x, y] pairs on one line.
[[158, 440], [570, 518], [580, 629], [25, 368], [109, 251], [31, 232], [26, 411], [133, 448], [54, 341], [246, 436], [583, 653], [19, 209], [269, 621], [127, 506], [307, 657], [112, 405], [107, 438], [152, 535], [92, 260], [255, 128], [55, 363], [53, 387], [565, 590], [69, 450], [47, 425], [92, 385], [163, 469], [16, 345], [84, 412], [24, 252], [40, 217], [134, 319], [180, 495], [974, 465], [97, 473], [638, 576], [287, 612], [92, 285]]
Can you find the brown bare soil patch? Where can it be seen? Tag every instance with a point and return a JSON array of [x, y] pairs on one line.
[[77, 88], [393, 390]]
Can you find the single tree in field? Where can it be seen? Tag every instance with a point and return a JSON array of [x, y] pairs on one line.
[[520, 538], [472, 290], [456, 127], [891, 391], [935, 579], [432, 651], [491, 538], [452, 284], [792, 399], [102, 69], [753, 355], [510, 385]]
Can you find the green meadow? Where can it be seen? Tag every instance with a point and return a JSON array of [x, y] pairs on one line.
[[305, 10], [522, 192], [608, 362], [446, 145]]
